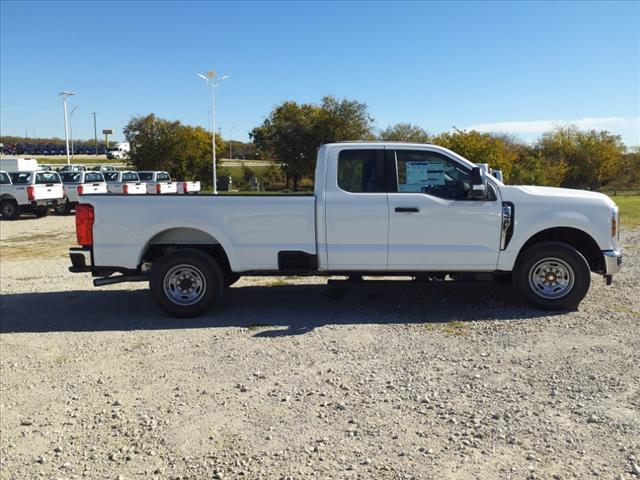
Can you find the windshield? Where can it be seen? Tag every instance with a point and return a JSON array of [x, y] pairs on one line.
[[146, 176], [47, 177], [70, 177]]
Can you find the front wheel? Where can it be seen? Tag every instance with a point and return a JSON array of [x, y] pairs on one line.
[[186, 283], [552, 276]]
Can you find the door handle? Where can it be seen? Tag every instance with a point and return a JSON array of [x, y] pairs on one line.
[[407, 209]]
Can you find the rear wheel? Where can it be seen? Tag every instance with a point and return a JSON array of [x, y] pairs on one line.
[[552, 275], [10, 209], [64, 208], [186, 283], [41, 212]]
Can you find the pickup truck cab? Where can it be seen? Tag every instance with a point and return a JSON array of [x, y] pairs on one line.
[[76, 184], [379, 209], [158, 182], [127, 183], [32, 191], [185, 187]]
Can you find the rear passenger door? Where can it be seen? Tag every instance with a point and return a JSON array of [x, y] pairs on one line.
[[357, 215]]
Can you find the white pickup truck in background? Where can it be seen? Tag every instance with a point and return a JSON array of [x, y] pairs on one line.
[[29, 192], [158, 182], [127, 183], [379, 209], [77, 184], [186, 187]]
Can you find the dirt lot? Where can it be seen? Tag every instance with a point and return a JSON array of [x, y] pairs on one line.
[[288, 379]]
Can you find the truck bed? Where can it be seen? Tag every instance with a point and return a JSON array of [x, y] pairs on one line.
[[251, 228]]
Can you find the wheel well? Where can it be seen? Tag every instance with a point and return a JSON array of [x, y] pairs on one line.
[[581, 241], [176, 238]]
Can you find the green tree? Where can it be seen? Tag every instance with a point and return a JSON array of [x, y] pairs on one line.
[[591, 157], [158, 144], [405, 132], [499, 151], [292, 133]]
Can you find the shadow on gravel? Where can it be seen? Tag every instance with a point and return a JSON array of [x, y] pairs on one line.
[[266, 309]]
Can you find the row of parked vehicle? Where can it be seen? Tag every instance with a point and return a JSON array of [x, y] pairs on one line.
[[49, 149], [26, 188]]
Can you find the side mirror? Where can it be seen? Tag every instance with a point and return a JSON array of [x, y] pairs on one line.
[[497, 174], [479, 189]]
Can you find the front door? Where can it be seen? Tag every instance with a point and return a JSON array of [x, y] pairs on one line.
[[433, 226]]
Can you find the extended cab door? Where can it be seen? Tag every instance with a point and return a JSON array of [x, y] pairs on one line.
[[356, 210], [432, 223]]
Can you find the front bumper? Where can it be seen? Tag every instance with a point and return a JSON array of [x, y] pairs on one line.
[[612, 261]]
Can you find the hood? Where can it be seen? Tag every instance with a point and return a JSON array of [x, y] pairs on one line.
[[561, 194]]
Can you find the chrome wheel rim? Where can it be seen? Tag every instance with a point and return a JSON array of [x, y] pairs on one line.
[[551, 278], [184, 285]]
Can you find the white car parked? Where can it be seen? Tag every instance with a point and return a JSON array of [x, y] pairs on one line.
[[158, 182], [127, 183], [29, 192], [77, 184]]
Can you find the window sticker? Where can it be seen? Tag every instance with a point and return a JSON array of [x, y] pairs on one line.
[[422, 174]]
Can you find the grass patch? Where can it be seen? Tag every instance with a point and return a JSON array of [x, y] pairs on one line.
[[453, 327], [629, 210]]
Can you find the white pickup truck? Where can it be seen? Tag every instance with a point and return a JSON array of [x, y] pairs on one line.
[[158, 182], [127, 183], [80, 183], [379, 209], [29, 192], [186, 187]]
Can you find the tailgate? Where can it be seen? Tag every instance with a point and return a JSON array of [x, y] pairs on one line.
[[92, 188], [48, 191], [136, 188], [168, 187]]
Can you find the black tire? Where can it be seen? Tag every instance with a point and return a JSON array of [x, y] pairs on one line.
[[10, 210], [552, 276], [64, 208], [203, 281], [41, 212], [231, 278]]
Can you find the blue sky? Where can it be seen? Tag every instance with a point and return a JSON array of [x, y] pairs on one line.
[[516, 67]]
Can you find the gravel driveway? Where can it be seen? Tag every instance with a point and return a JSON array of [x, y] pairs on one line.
[[290, 379]]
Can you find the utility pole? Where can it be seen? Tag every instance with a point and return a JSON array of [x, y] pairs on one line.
[[95, 132], [65, 96]]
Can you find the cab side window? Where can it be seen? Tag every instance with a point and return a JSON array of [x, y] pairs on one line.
[[4, 179], [361, 171], [433, 174]]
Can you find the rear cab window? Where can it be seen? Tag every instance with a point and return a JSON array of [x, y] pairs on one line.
[[111, 176], [70, 177], [93, 177], [163, 177], [361, 171], [47, 177], [145, 176], [21, 178], [130, 177]]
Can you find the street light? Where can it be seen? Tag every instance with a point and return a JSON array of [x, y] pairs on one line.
[[71, 128], [231, 130], [213, 83], [65, 96]]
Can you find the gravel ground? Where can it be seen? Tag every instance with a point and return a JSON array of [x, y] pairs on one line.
[[289, 379]]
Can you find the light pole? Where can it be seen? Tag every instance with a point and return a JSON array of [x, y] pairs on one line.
[[95, 132], [211, 82], [231, 130], [65, 96], [71, 128]]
